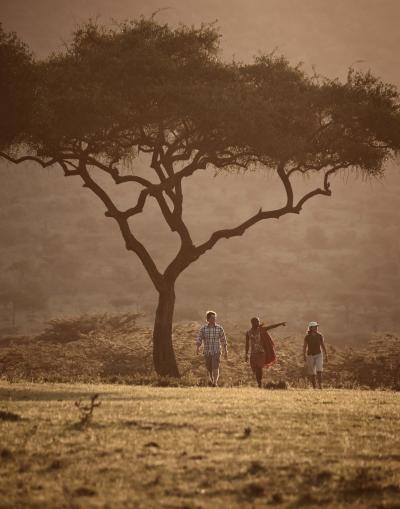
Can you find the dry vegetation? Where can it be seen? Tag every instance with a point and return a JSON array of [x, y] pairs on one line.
[[107, 348], [148, 447]]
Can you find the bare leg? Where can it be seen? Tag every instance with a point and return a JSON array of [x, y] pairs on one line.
[[319, 378], [215, 376], [210, 372], [313, 381], [259, 374]]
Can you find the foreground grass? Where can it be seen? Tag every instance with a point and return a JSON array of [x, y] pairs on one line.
[[194, 448]]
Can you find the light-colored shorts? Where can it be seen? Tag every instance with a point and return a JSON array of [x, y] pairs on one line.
[[314, 363]]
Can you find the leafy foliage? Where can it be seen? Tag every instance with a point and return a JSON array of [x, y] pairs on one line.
[[147, 87], [125, 88], [17, 89]]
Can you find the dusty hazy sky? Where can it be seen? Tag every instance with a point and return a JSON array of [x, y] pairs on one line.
[[332, 35]]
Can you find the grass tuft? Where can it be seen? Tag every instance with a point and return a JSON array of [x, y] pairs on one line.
[[86, 411], [9, 416]]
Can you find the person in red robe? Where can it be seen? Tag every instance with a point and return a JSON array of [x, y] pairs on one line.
[[261, 346]]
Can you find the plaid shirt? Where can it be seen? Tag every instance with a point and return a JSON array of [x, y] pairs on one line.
[[213, 336]]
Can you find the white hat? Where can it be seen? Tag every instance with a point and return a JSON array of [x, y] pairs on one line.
[[313, 324]]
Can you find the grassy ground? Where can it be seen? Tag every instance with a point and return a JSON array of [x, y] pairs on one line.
[[150, 447]]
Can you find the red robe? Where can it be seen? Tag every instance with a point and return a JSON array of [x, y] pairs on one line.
[[269, 347], [265, 358]]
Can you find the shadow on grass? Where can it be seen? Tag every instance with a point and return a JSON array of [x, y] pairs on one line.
[[18, 394], [35, 395]]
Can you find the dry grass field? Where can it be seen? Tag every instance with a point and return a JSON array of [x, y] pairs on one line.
[[152, 447]]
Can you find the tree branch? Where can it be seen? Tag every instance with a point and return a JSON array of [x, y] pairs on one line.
[[131, 242], [138, 208], [19, 160], [289, 208], [286, 183], [66, 170], [114, 173], [239, 230], [304, 168], [45, 164], [326, 191]]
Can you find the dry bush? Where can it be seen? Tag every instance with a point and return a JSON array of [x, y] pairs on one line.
[[86, 411], [114, 349], [64, 330]]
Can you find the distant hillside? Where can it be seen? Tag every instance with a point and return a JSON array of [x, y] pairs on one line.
[[336, 262], [105, 348]]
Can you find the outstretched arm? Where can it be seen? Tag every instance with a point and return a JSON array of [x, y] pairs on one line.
[[275, 325]]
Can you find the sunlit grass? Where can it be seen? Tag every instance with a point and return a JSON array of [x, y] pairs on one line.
[[199, 447]]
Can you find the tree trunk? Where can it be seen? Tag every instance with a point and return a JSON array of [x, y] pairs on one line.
[[163, 352]]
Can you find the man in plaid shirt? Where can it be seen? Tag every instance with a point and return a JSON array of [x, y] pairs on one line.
[[212, 336]]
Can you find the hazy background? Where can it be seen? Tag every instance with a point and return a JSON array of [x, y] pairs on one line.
[[338, 262]]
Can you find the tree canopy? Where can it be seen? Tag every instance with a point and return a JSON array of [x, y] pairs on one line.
[[17, 88], [146, 87], [144, 84]]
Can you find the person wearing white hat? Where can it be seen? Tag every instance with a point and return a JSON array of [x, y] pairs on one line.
[[313, 357]]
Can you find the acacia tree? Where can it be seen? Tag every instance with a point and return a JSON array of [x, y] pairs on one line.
[[144, 87]]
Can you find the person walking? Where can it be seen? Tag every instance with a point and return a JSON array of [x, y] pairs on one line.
[[212, 337], [313, 357], [261, 346]]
